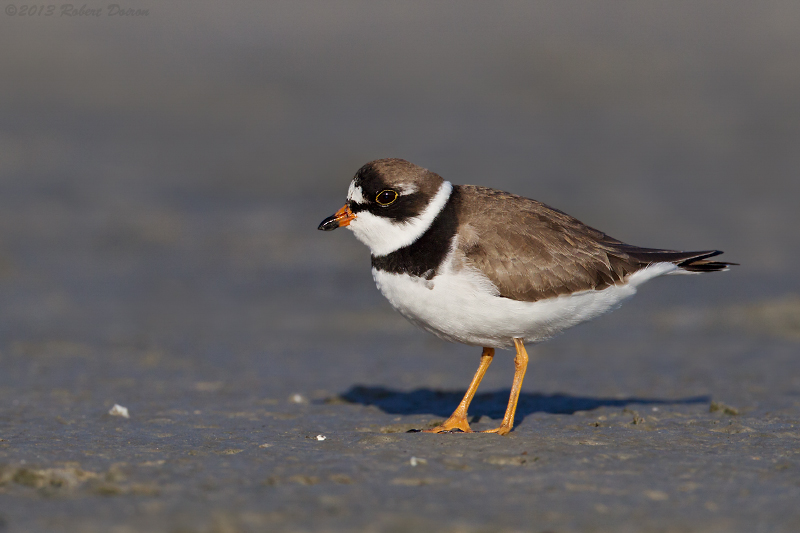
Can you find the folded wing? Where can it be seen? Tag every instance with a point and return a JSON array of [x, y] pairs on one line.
[[545, 253]]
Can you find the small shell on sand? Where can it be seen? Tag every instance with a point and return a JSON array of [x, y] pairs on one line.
[[118, 410]]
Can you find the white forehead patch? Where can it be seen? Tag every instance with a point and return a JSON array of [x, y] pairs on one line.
[[355, 194]]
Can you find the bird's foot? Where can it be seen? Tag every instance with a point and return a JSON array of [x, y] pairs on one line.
[[451, 425], [502, 430]]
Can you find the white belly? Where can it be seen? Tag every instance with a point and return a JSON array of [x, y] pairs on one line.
[[463, 306]]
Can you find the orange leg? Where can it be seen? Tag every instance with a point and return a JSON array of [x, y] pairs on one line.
[[520, 365], [458, 420]]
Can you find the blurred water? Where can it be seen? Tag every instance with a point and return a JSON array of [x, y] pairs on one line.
[[229, 131]]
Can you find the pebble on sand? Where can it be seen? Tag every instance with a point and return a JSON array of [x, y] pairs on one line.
[[118, 410]]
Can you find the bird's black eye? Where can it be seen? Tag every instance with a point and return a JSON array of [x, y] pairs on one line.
[[386, 197]]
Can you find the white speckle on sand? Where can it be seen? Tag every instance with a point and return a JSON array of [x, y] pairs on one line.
[[118, 410], [418, 461]]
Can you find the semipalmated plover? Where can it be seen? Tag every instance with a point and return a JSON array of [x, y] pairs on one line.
[[488, 268]]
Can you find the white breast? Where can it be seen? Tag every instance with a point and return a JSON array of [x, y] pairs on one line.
[[463, 306]]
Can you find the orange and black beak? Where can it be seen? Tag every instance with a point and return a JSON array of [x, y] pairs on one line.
[[342, 218]]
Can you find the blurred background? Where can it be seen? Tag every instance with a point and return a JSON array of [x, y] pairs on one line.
[[162, 176]]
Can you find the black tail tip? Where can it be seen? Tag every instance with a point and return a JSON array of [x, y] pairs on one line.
[[699, 263]]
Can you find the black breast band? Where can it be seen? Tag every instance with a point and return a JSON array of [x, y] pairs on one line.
[[423, 257]]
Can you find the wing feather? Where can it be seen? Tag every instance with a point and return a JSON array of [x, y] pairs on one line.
[[543, 252]]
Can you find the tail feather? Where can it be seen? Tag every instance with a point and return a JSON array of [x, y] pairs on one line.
[[687, 261]]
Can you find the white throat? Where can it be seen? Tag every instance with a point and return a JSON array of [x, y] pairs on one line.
[[384, 235]]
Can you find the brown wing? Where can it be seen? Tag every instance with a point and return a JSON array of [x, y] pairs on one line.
[[543, 252]]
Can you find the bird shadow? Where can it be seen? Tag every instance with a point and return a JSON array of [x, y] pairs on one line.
[[491, 404]]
